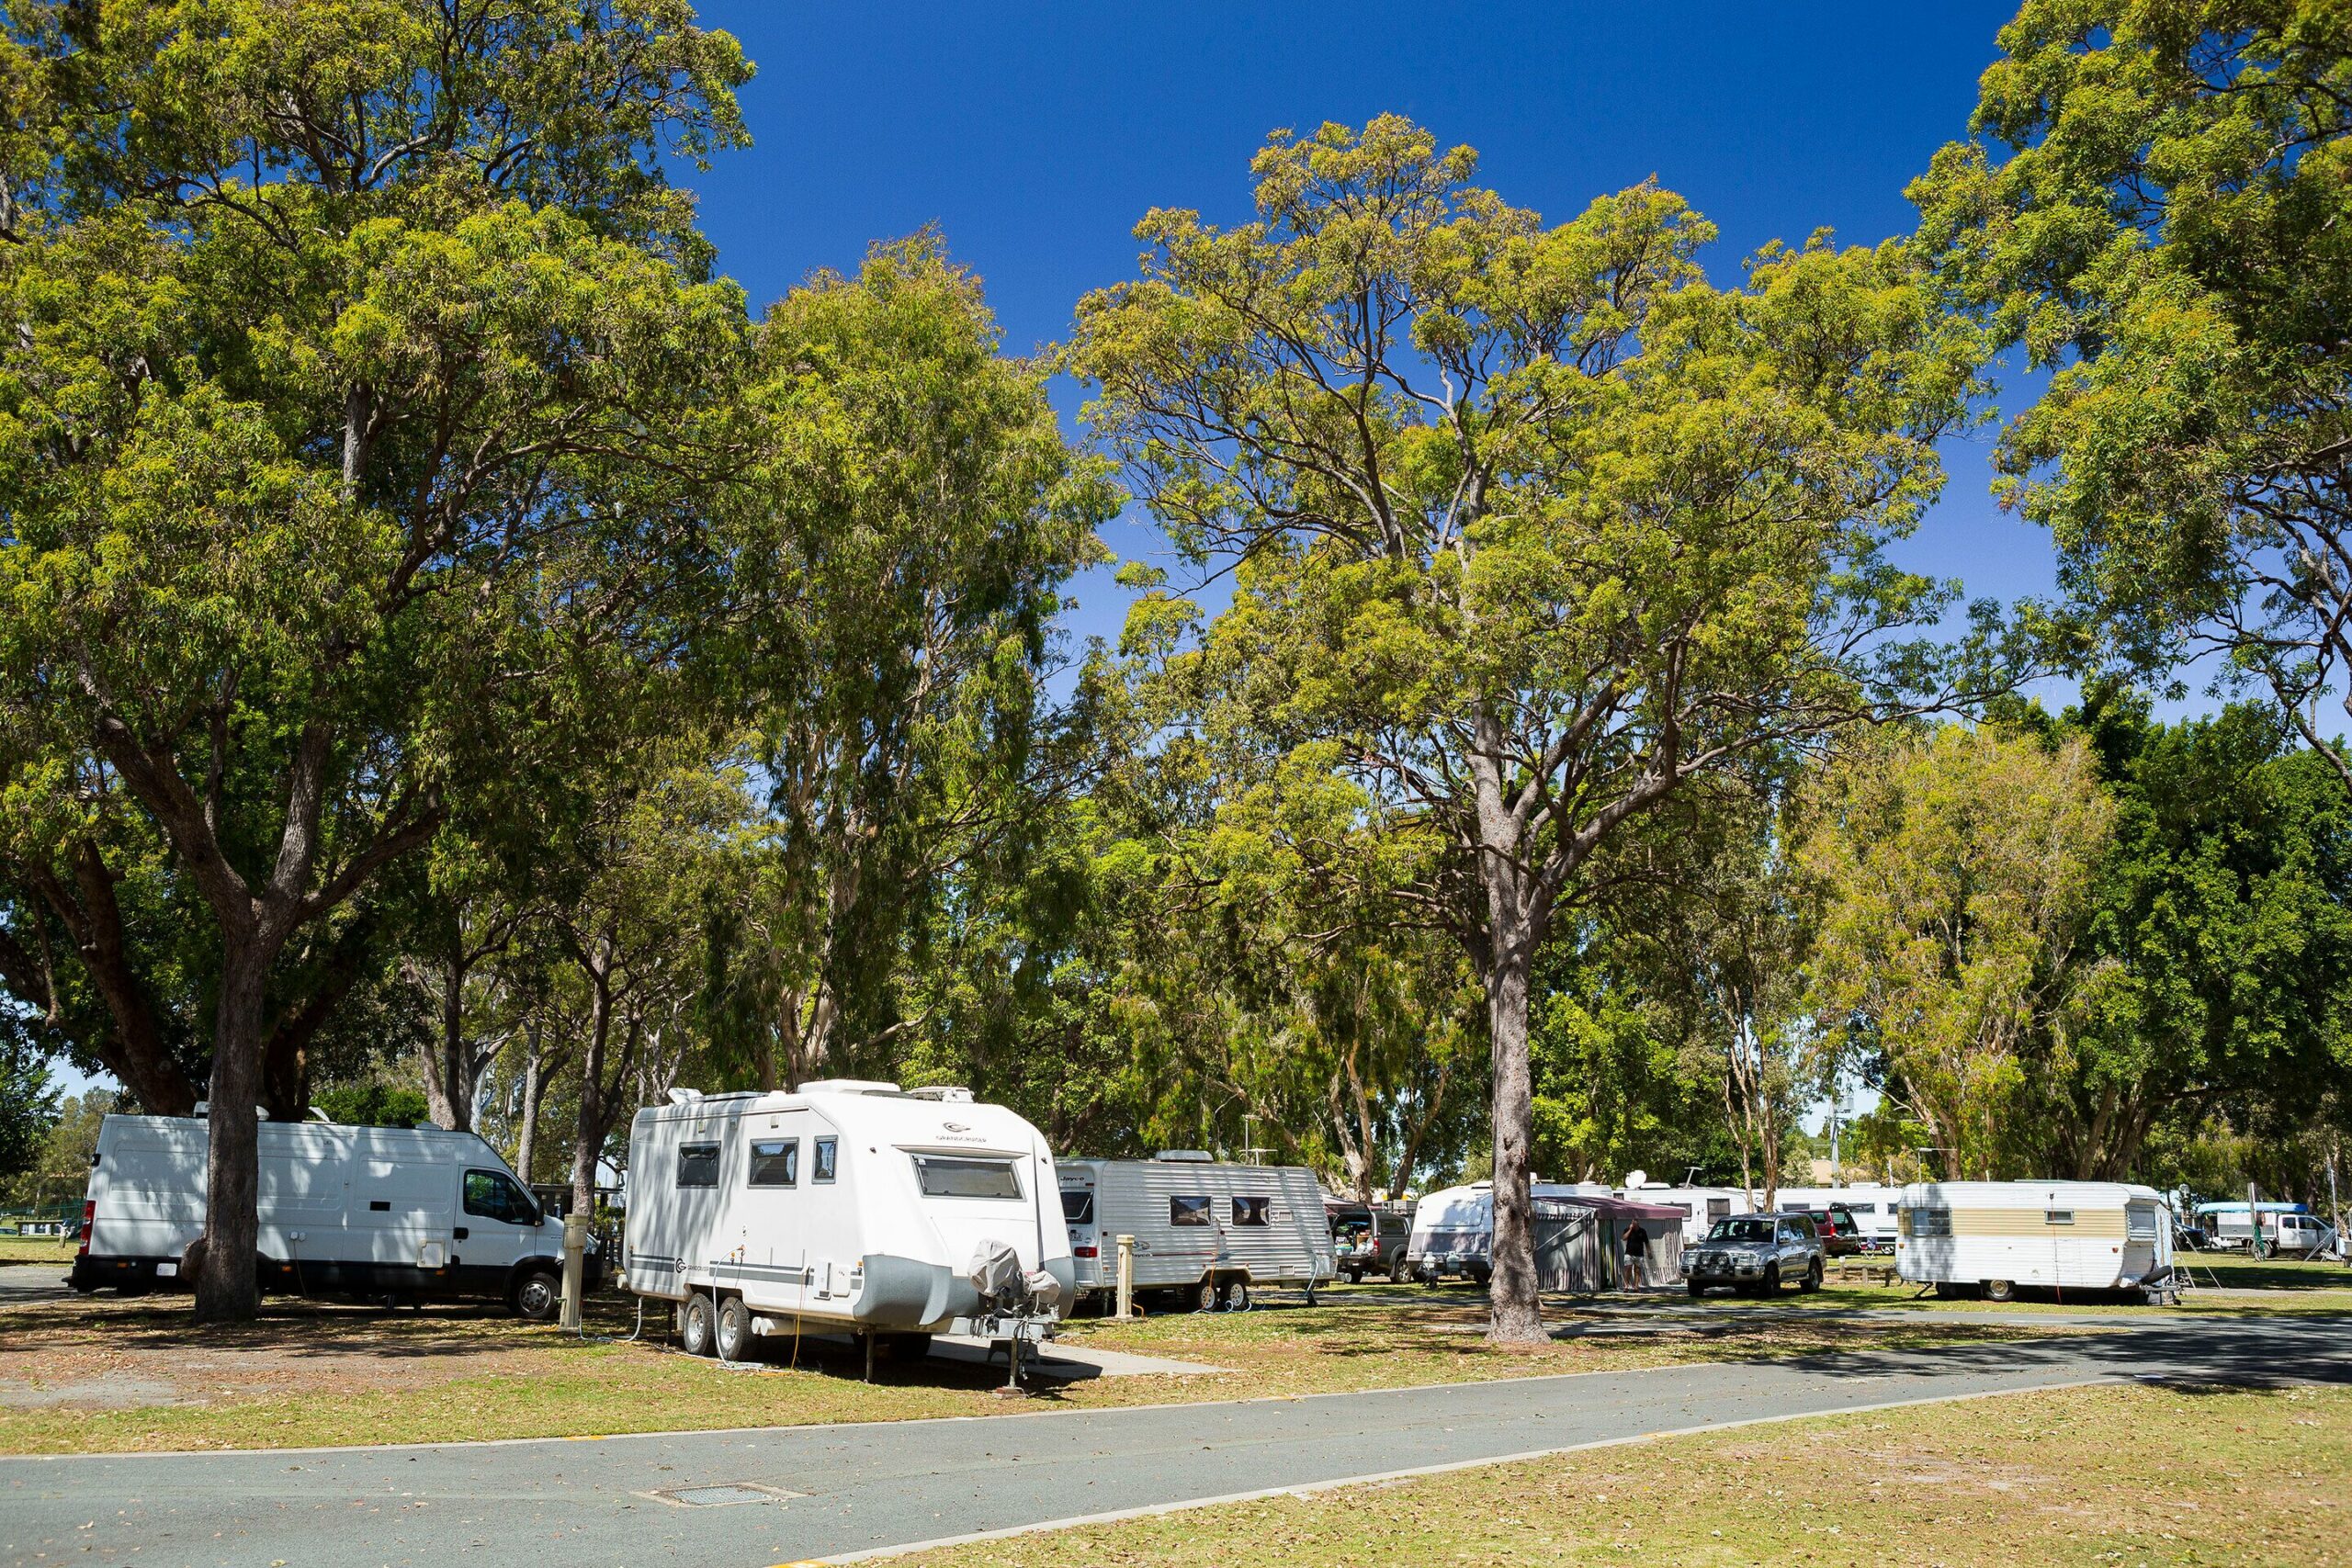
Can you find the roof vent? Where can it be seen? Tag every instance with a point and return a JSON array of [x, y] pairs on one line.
[[684, 1096], [848, 1086], [947, 1094], [1186, 1156]]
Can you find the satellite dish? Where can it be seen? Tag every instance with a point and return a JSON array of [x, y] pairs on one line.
[[1636, 1178]]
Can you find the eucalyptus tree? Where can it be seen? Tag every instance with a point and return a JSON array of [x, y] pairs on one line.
[[896, 547], [1529, 524], [2153, 205], [346, 416]]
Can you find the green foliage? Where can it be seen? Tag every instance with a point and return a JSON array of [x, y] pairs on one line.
[[373, 1104], [2154, 205]]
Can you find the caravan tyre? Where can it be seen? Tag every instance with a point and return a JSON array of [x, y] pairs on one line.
[[1209, 1297], [2000, 1291], [734, 1334], [1236, 1295], [697, 1333], [538, 1295]]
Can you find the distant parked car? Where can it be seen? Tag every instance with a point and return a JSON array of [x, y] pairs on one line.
[[1369, 1239], [1841, 1237], [1755, 1254]]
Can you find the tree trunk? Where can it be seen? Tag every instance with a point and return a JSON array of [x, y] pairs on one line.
[[594, 1121], [535, 1092], [227, 1290], [1517, 1312]]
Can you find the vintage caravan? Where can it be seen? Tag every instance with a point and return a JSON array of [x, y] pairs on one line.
[[1207, 1229], [845, 1206], [385, 1212], [1994, 1237]]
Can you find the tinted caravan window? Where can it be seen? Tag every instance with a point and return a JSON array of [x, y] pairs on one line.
[[828, 1159], [943, 1176], [1251, 1211], [1078, 1206], [776, 1162], [1188, 1211], [697, 1164]]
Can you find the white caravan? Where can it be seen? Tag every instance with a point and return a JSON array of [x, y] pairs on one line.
[[1701, 1206], [1989, 1237], [1211, 1230], [845, 1206], [386, 1212], [1453, 1229]]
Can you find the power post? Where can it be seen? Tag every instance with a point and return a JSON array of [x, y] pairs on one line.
[[575, 1250], [1127, 1277]]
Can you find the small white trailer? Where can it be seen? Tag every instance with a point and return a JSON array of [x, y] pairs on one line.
[[384, 1213], [845, 1206], [1210, 1230], [1993, 1237]]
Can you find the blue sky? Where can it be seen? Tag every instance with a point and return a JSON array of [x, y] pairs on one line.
[[1035, 136]]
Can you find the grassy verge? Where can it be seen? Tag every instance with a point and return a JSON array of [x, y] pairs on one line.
[[2222, 1284], [102, 1375], [2138, 1475], [37, 1249]]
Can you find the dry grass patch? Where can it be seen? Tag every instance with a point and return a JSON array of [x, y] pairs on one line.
[[2087, 1477]]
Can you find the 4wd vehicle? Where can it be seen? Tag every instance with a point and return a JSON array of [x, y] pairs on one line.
[[1369, 1239], [1841, 1236], [1755, 1254]]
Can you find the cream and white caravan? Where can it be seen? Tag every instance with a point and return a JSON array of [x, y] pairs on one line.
[[1993, 1237], [1209, 1230], [400, 1213], [845, 1206]]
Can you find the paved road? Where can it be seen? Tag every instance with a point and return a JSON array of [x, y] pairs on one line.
[[861, 1488], [22, 1282]]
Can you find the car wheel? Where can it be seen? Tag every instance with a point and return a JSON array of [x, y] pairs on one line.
[[1770, 1284], [538, 1295], [1697, 1290], [1812, 1281], [696, 1330], [734, 1329], [2000, 1291], [1399, 1271], [1355, 1276]]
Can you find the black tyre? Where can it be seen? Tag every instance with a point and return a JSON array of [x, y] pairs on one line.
[[1697, 1290], [538, 1295], [1770, 1284], [734, 1336], [1209, 1297], [696, 1332], [1355, 1276], [905, 1349], [1812, 1281], [2000, 1291], [1399, 1269], [1236, 1295]]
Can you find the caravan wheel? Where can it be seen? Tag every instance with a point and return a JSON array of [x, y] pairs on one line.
[[734, 1328], [1208, 1298], [1236, 1295], [2000, 1291], [697, 1333]]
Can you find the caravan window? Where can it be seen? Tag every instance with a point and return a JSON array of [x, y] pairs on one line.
[[1189, 1211], [776, 1162], [1718, 1208], [1251, 1211], [2058, 1216], [944, 1176], [2139, 1223], [493, 1195], [828, 1159], [1927, 1222], [1078, 1206], [697, 1164]]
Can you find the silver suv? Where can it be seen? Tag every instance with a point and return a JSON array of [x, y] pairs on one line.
[[1755, 1254]]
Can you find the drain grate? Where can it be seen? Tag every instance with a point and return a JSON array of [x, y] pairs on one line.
[[724, 1496]]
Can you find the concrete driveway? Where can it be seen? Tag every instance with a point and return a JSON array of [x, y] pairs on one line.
[[783, 1495]]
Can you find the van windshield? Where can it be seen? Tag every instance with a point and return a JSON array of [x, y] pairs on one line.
[[945, 1177]]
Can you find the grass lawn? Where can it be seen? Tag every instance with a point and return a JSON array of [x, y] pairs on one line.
[[2136, 1475], [101, 1375], [2222, 1283], [37, 1249]]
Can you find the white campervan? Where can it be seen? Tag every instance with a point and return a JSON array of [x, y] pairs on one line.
[[1206, 1228], [845, 1206], [386, 1213], [1990, 1237]]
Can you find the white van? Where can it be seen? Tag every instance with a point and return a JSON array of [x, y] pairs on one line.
[[1209, 1229], [846, 1205], [385, 1212]]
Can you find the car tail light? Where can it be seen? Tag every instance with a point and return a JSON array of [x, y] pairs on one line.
[[89, 1217], [1085, 1252]]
